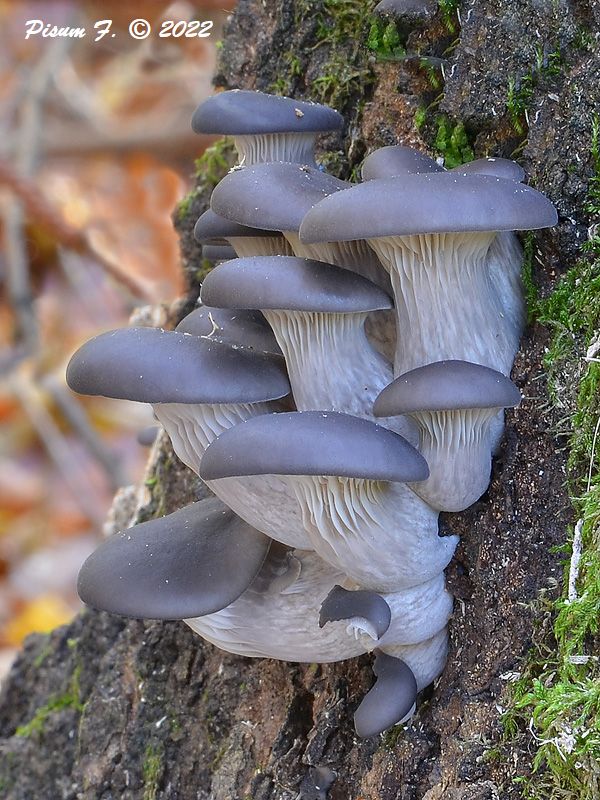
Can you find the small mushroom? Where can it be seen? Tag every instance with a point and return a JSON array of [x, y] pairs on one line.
[[455, 404], [218, 252], [349, 476], [211, 227], [266, 127], [390, 701]]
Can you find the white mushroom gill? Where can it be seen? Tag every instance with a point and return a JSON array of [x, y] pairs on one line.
[[457, 446], [382, 535], [357, 256], [260, 246], [332, 365], [505, 262], [446, 307], [298, 148]]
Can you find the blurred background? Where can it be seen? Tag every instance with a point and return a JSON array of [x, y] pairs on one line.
[[96, 150]]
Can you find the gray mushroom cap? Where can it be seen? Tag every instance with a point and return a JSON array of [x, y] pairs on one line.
[[150, 365], [500, 167], [447, 386], [429, 203], [396, 160], [341, 604], [242, 112], [218, 252], [211, 227], [312, 443], [291, 284], [273, 196], [232, 326], [391, 698], [187, 564]]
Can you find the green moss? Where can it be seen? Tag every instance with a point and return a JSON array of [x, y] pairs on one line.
[[71, 698], [385, 41], [520, 90], [212, 165], [152, 769], [532, 294], [449, 12], [558, 694], [452, 142]]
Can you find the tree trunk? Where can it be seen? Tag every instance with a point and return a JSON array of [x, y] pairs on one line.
[[109, 708]]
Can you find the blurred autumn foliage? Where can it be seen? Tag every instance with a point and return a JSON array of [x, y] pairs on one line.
[[95, 152]]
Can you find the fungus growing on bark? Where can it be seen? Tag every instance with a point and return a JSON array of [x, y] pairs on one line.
[[433, 233], [218, 252], [266, 127], [455, 405], [391, 700], [349, 476]]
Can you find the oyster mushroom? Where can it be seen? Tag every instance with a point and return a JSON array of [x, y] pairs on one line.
[[433, 233], [455, 405], [266, 127]]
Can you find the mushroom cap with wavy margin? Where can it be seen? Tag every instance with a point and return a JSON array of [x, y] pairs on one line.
[[218, 252], [500, 167], [193, 562], [234, 326], [365, 604], [273, 196], [446, 386], [428, 203], [313, 443], [291, 284], [245, 112], [150, 365]]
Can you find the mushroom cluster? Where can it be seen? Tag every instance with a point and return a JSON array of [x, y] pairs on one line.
[[342, 382]]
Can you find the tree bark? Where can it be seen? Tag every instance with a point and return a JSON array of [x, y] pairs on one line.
[[109, 708]]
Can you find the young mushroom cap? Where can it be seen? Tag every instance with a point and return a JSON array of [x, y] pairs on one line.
[[447, 385], [290, 283], [427, 203], [272, 196], [193, 562], [218, 252], [240, 111], [390, 700], [500, 167], [233, 326], [396, 160], [212, 228], [150, 365], [363, 604], [312, 443]]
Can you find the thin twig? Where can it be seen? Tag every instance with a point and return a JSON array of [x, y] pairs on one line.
[[75, 415], [575, 561]]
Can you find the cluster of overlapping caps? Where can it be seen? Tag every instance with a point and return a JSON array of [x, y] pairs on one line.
[[344, 381]]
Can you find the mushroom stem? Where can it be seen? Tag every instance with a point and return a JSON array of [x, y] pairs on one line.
[[458, 448], [331, 364], [425, 659], [446, 307], [381, 534], [298, 148]]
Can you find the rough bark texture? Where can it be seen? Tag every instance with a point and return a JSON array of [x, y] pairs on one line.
[[117, 709]]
